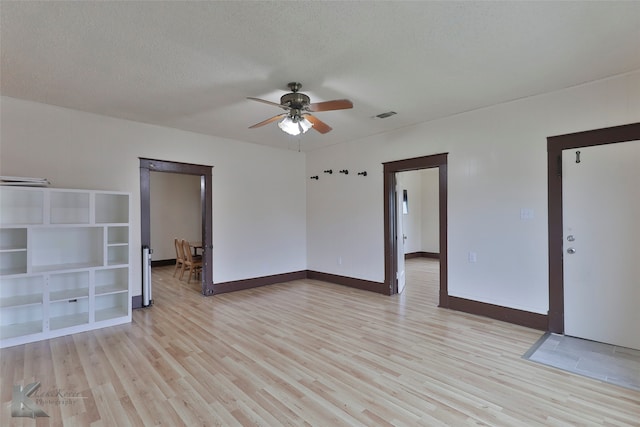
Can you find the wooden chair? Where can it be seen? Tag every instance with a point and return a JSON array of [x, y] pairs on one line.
[[179, 257], [191, 263]]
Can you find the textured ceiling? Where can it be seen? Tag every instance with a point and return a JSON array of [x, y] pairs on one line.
[[191, 65]]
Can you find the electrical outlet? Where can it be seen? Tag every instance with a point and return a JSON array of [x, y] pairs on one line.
[[473, 257], [339, 260]]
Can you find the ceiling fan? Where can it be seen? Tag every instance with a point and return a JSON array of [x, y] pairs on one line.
[[298, 118]]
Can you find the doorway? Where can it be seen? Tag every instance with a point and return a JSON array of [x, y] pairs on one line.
[[176, 212], [204, 172], [418, 218], [556, 145], [392, 210], [601, 207]]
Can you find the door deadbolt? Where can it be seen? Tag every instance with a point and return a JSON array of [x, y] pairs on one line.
[[570, 238], [571, 251]]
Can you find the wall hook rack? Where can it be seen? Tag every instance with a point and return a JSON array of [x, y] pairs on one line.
[[329, 171], [344, 171], [316, 177], [363, 173]]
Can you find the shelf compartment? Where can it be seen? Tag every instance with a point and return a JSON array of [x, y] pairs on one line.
[[21, 206], [20, 329], [13, 262], [69, 207], [19, 321], [112, 208], [118, 235], [67, 248], [111, 306], [118, 255], [65, 314], [20, 301], [13, 239], [67, 286], [21, 291], [112, 280]]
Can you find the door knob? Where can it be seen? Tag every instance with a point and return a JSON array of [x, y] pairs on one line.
[[571, 251]]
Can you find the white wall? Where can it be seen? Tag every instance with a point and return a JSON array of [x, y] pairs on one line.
[[497, 165], [175, 211], [412, 221], [259, 222], [430, 219], [421, 223]]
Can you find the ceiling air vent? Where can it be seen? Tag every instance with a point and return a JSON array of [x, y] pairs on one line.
[[385, 115]]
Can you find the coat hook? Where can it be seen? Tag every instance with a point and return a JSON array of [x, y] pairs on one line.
[[344, 171], [363, 173], [315, 177], [329, 171]]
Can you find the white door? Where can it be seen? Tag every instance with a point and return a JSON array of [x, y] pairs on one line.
[[400, 237], [601, 217]]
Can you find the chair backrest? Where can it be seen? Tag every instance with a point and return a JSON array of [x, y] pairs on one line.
[[186, 249], [179, 251]]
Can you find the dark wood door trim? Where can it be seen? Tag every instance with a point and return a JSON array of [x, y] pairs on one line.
[[555, 146], [149, 165], [390, 223]]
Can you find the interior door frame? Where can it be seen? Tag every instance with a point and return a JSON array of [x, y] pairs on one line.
[[205, 173], [555, 146], [391, 224]]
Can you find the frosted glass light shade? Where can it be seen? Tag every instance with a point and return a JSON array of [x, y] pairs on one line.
[[292, 127], [305, 124]]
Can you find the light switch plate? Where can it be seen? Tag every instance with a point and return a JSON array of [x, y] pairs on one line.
[[526, 214]]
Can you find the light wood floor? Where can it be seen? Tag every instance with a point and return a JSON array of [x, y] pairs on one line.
[[307, 353]]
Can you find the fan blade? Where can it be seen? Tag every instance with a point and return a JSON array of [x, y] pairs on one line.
[[284, 107], [318, 124], [336, 104], [266, 122]]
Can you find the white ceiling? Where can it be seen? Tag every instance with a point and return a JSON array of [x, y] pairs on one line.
[[191, 65]]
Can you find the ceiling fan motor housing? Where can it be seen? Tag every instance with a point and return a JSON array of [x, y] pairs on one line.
[[295, 100]]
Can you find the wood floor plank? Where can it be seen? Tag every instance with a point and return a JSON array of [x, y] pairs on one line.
[[307, 353]]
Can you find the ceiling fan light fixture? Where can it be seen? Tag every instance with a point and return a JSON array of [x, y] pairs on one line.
[[295, 126], [287, 125], [305, 124]]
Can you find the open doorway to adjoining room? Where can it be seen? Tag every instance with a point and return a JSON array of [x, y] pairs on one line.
[[393, 197], [176, 215], [418, 224], [147, 166]]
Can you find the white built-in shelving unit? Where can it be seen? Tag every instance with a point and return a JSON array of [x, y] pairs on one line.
[[64, 262]]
